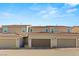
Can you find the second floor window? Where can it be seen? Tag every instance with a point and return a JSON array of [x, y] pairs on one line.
[[29, 30], [69, 30], [46, 30], [5, 29], [52, 30], [24, 30]]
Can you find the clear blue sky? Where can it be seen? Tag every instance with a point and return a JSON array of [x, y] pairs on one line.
[[40, 14]]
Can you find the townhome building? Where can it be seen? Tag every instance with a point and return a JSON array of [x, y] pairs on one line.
[[28, 36], [13, 36]]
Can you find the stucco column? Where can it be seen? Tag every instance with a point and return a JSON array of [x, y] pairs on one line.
[[76, 42], [27, 28], [29, 43], [51, 43], [17, 43]]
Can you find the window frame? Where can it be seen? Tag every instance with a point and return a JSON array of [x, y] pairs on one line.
[[5, 29]]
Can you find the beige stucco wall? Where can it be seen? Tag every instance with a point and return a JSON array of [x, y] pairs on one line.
[[29, 43], [42, 28], [59, 28], [53, 40], [37, 29], [53, 43], [9, 41], [75, 29], [18, 42], [39, 35], [54, 37], [17, 28], [77, 42], [65, 35]]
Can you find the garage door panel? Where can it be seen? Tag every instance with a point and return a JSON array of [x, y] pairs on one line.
[[41, 43], [66, 43], [7, 43]]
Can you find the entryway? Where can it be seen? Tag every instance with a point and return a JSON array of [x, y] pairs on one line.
[[24, 42]]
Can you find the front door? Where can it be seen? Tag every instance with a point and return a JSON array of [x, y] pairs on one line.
[[23, 42]]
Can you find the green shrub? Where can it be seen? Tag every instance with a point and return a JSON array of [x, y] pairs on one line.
[[26, 46]]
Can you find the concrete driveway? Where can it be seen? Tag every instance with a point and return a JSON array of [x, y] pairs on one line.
[[40, 52]]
